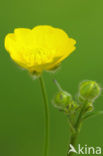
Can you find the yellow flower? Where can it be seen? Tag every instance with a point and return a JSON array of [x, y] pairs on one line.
[[38, 49]]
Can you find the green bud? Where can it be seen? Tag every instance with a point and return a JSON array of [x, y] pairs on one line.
[[81, 99], [73, 106], [89, 107], [89, 90], [62, 100]]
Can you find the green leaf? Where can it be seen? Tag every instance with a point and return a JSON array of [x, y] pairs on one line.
[[93, 114]]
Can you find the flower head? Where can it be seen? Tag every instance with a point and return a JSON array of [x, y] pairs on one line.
[[38, 49]]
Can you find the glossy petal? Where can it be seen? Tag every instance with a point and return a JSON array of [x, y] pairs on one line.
[[38, 49]]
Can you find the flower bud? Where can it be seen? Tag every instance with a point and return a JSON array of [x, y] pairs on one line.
[[89, 107], [89, 90], [81, 99], [62, 100]]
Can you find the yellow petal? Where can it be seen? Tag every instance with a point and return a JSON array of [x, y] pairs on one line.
[[40, 48]]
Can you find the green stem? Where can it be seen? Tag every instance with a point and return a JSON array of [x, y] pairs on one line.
[[73, 142], [77, 128], [46, 115]]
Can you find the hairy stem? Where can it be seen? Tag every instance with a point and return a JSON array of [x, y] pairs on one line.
[[77, 128], [46, 115]]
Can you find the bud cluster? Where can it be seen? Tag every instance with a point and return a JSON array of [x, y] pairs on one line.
[[88, 91]]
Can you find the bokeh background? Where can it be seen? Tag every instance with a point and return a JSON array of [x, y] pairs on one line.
[[21, 104]]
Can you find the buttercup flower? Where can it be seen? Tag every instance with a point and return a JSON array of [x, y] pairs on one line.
[[38, 49]]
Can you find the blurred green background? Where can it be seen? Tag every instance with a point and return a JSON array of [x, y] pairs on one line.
[[21, 105]]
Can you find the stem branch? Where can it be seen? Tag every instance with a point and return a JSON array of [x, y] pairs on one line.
[[77, 128]]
